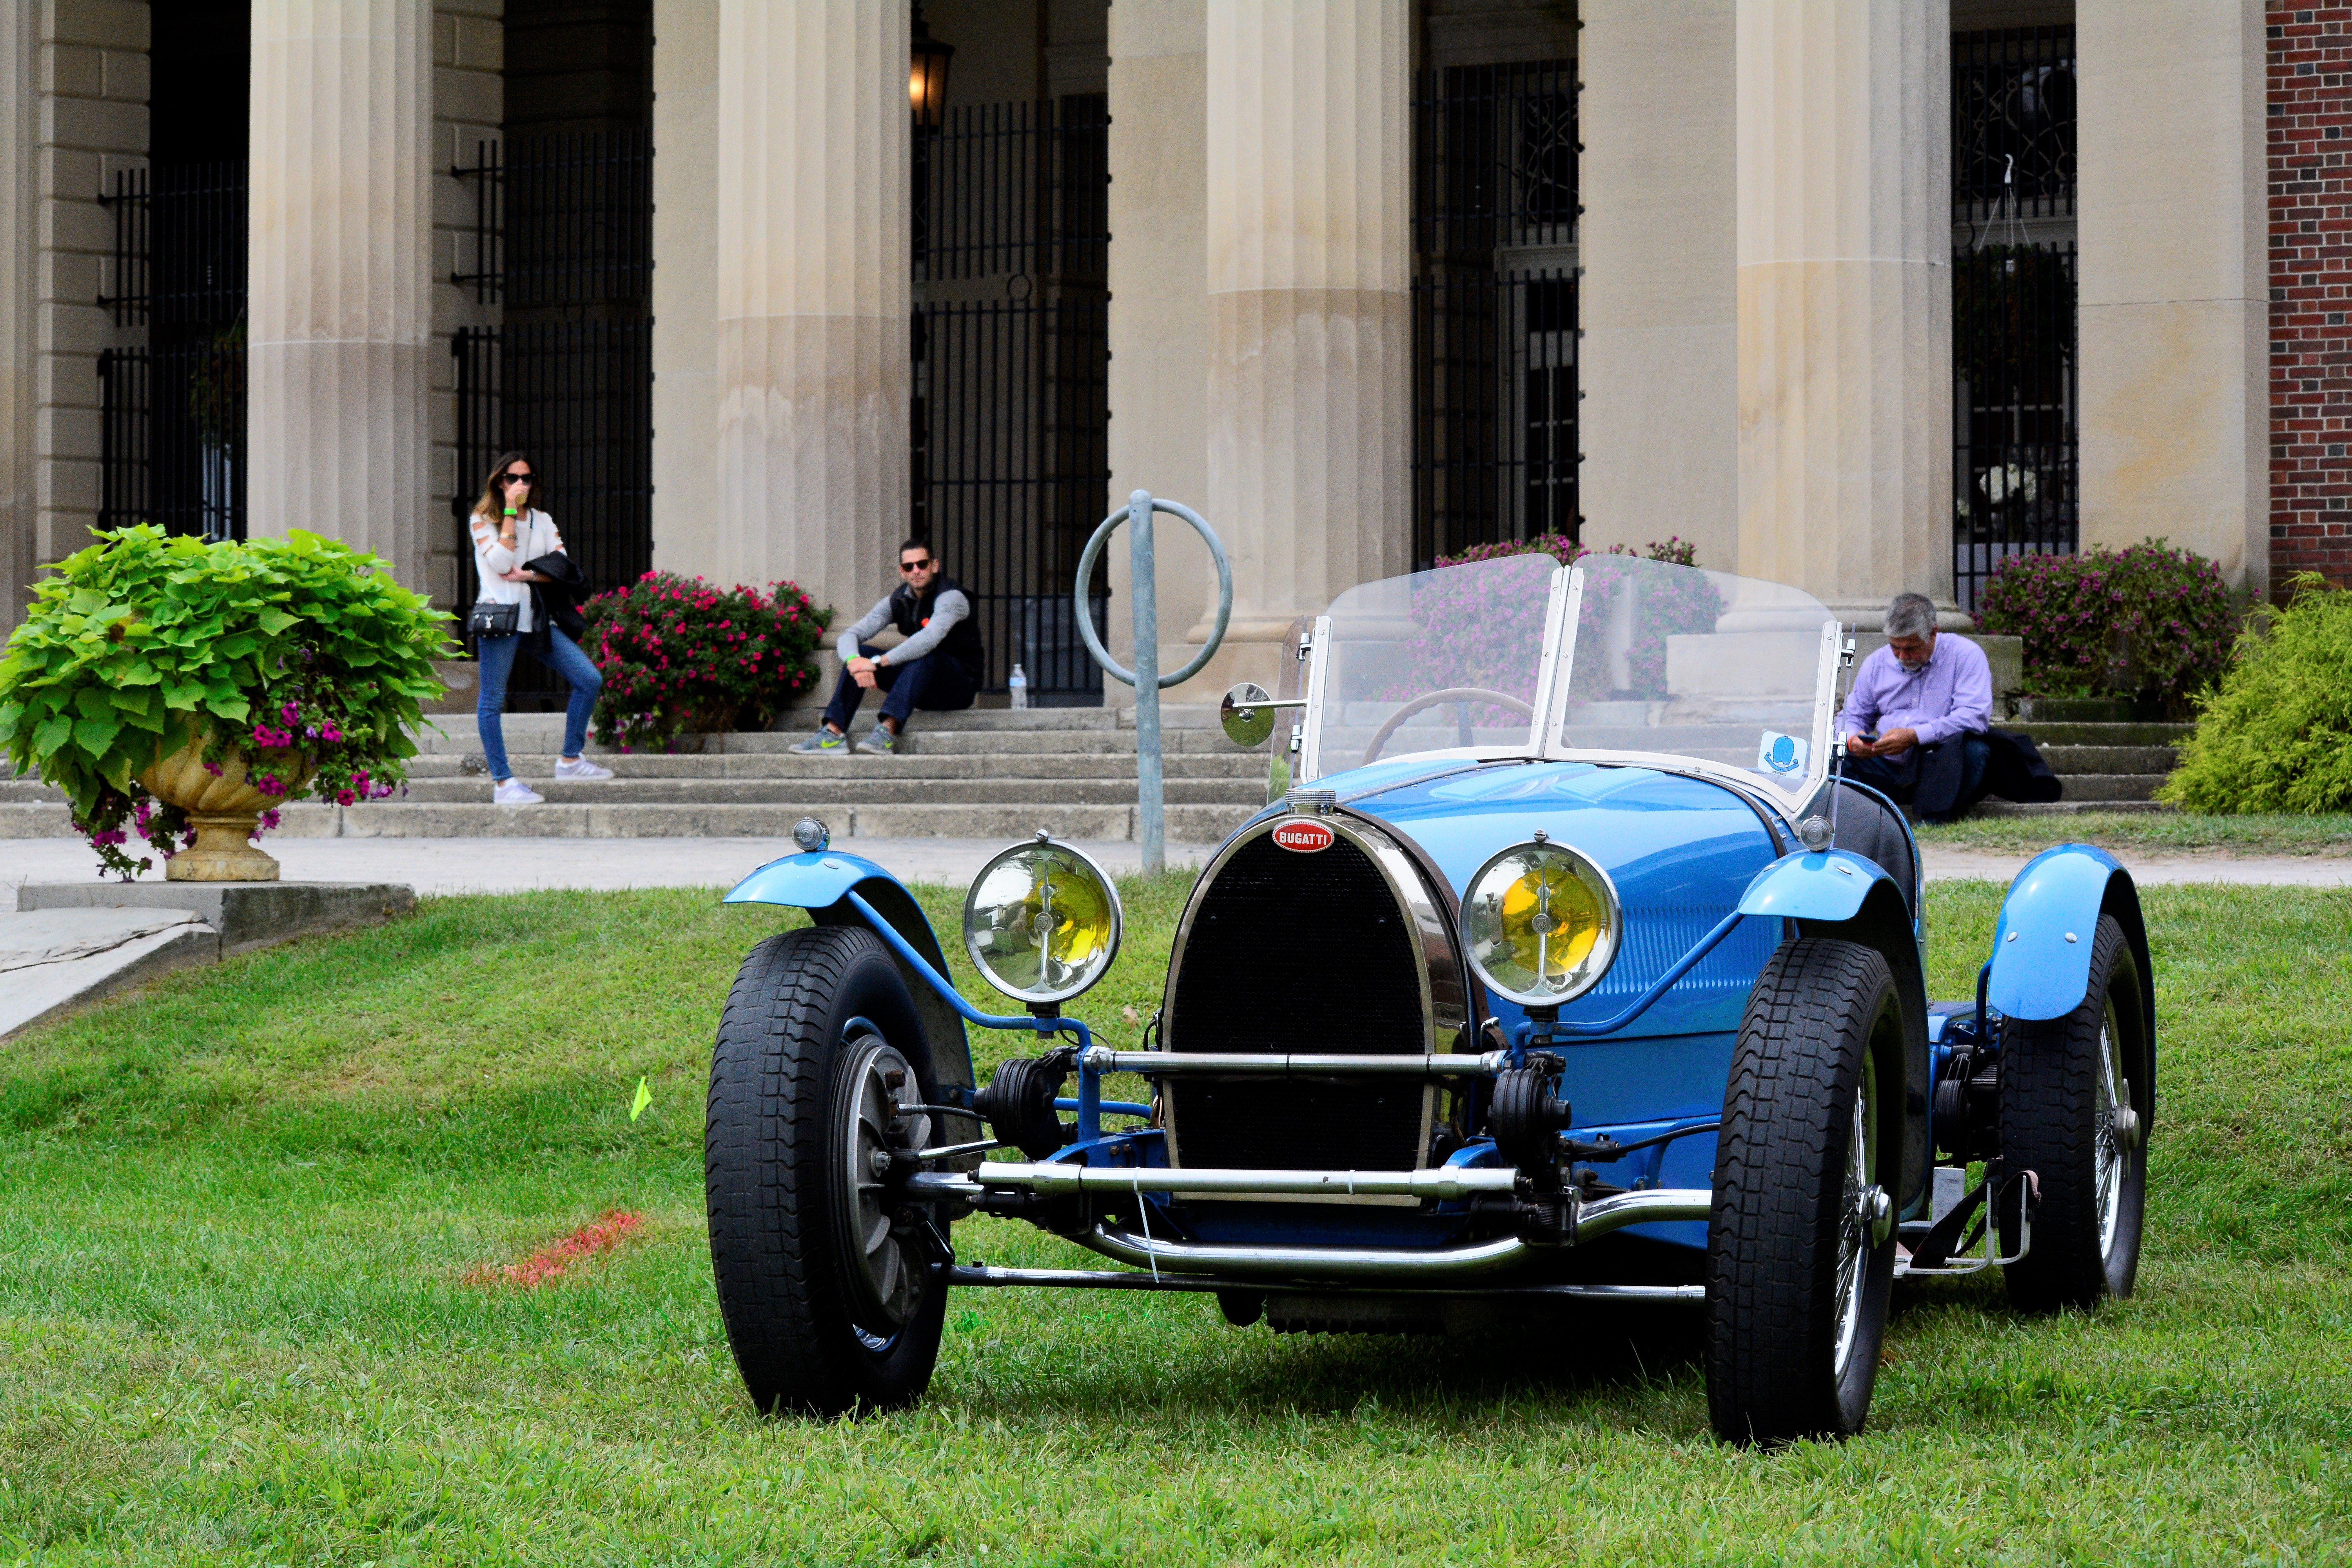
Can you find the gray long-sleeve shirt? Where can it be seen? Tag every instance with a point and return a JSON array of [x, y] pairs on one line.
[[948, 608]]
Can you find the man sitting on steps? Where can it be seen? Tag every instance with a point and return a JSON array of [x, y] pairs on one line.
[[1916, 719], [937, 667]]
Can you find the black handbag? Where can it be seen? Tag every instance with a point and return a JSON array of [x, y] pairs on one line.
[[492, 619]]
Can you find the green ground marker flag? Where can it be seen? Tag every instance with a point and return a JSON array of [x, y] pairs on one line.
[[643, 1098]]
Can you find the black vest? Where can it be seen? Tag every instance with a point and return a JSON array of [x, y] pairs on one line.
[[962, 642]]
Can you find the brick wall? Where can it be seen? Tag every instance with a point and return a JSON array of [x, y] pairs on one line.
[[2310, 137]]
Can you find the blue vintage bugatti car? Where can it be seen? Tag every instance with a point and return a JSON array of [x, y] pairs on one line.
[[1562, 967]]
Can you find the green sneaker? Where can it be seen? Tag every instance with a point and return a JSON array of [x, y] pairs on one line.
[[824, 739], [880, 743]]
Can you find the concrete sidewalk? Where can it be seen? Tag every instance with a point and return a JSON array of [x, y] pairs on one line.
[[515, 865], [512, 865]]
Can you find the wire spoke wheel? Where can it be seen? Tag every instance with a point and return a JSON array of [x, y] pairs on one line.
[[884, 1248], [2078, 1094], [823, 1272], [1800, 1250]]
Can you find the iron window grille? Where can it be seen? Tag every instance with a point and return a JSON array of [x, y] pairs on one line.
[[1011, 347], [172, 413], [2016, 464], [563, 241], [1495, 334]]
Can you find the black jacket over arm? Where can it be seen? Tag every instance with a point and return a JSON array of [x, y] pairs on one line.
[[556, 602]]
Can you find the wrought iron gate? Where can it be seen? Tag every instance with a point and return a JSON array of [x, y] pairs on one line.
[[2018, 462], [1012, 347], [563, 242], [171, 415], [563, 238], [1494, 306]]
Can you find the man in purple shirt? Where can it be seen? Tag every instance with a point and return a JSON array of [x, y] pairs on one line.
[[1915, 721]]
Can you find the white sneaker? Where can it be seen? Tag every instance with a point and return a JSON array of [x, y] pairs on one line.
[[579, 768], [514, 792]]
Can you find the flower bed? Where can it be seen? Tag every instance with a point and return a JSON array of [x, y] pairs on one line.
[[680, 655]]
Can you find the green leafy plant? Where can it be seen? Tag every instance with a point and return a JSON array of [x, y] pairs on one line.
[[299, 657], [680, 655], [2277, 734], [2148, 621]]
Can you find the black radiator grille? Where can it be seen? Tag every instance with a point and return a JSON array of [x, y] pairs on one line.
[[1297, 952]]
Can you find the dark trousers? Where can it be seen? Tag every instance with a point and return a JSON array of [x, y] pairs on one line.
[[1942, 780], [934, 682]]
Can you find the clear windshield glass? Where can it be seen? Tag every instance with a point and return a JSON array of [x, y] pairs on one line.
[[1433, 661], [1679, 661]]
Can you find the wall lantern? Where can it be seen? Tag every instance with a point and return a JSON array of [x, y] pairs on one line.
[[927, 81]]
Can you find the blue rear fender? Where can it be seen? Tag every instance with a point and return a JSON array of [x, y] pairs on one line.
[[2042, 944], [1836, 893], [820, 883]]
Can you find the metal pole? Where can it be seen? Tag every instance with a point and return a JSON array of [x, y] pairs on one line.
[[1152, 827]]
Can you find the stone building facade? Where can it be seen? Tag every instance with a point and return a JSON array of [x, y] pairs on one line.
[[754, 310]]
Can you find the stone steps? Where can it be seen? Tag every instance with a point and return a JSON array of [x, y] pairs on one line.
[[536, 765], [820, 794]]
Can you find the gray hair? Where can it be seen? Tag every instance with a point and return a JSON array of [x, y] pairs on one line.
[[1911, 615]]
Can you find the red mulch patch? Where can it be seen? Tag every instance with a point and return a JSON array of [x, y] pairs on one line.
[[551, 1260]]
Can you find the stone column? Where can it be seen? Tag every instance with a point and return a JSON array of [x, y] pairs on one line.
[[341, 311], [1309, 322], [1844, 242], [686, 337], [1160, 313], [1659, 365], [19, 129], [813, 293], [2173, 290]]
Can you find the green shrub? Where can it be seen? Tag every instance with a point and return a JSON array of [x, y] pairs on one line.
[[2144, 622], [680, 655], [2277, 735], [295, 654]]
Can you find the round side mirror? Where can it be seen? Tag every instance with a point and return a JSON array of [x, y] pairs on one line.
[[1245, 714]]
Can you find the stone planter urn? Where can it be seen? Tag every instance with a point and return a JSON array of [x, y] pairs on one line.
[[224, 808]]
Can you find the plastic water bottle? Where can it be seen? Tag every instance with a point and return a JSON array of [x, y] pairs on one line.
[[1018, 687]]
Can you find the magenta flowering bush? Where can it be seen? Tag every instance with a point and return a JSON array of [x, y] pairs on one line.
[[682, 656], [2148, 621]]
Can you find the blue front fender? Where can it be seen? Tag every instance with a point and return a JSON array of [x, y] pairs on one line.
[[2041, 945], [1830, 885], [820, 883]]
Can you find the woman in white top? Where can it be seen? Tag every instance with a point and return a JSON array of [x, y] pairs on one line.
[[508, 531]]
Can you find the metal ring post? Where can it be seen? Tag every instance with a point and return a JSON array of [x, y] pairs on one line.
[[1145, 677]]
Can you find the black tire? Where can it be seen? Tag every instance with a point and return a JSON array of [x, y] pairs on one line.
[[2057, 1120], [811, 1328], [1801, 1261]]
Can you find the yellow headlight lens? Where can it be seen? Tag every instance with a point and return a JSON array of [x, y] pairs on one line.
[[1540, 924], [1042, 922]]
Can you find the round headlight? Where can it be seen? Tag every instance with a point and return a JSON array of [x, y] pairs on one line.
[[1540, 924], [1042, 922]]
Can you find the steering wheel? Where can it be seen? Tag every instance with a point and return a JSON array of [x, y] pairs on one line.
[[1450, 694]]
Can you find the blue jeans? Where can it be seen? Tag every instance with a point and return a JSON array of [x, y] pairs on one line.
[[1898, 778], [935, 682], [564, 657]]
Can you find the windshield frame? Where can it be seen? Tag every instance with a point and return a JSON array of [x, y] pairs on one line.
[[1564, 604], [1790, 799]]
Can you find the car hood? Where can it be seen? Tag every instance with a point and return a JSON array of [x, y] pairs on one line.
[[1680, 849]]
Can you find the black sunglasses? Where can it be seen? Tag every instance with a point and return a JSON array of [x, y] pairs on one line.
[[515, 479], [915, 566]]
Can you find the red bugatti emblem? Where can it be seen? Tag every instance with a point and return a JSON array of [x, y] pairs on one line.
[[1305, 837]]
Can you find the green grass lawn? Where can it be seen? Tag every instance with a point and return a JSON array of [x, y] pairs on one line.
[[2326, 833], [238, 1215]]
